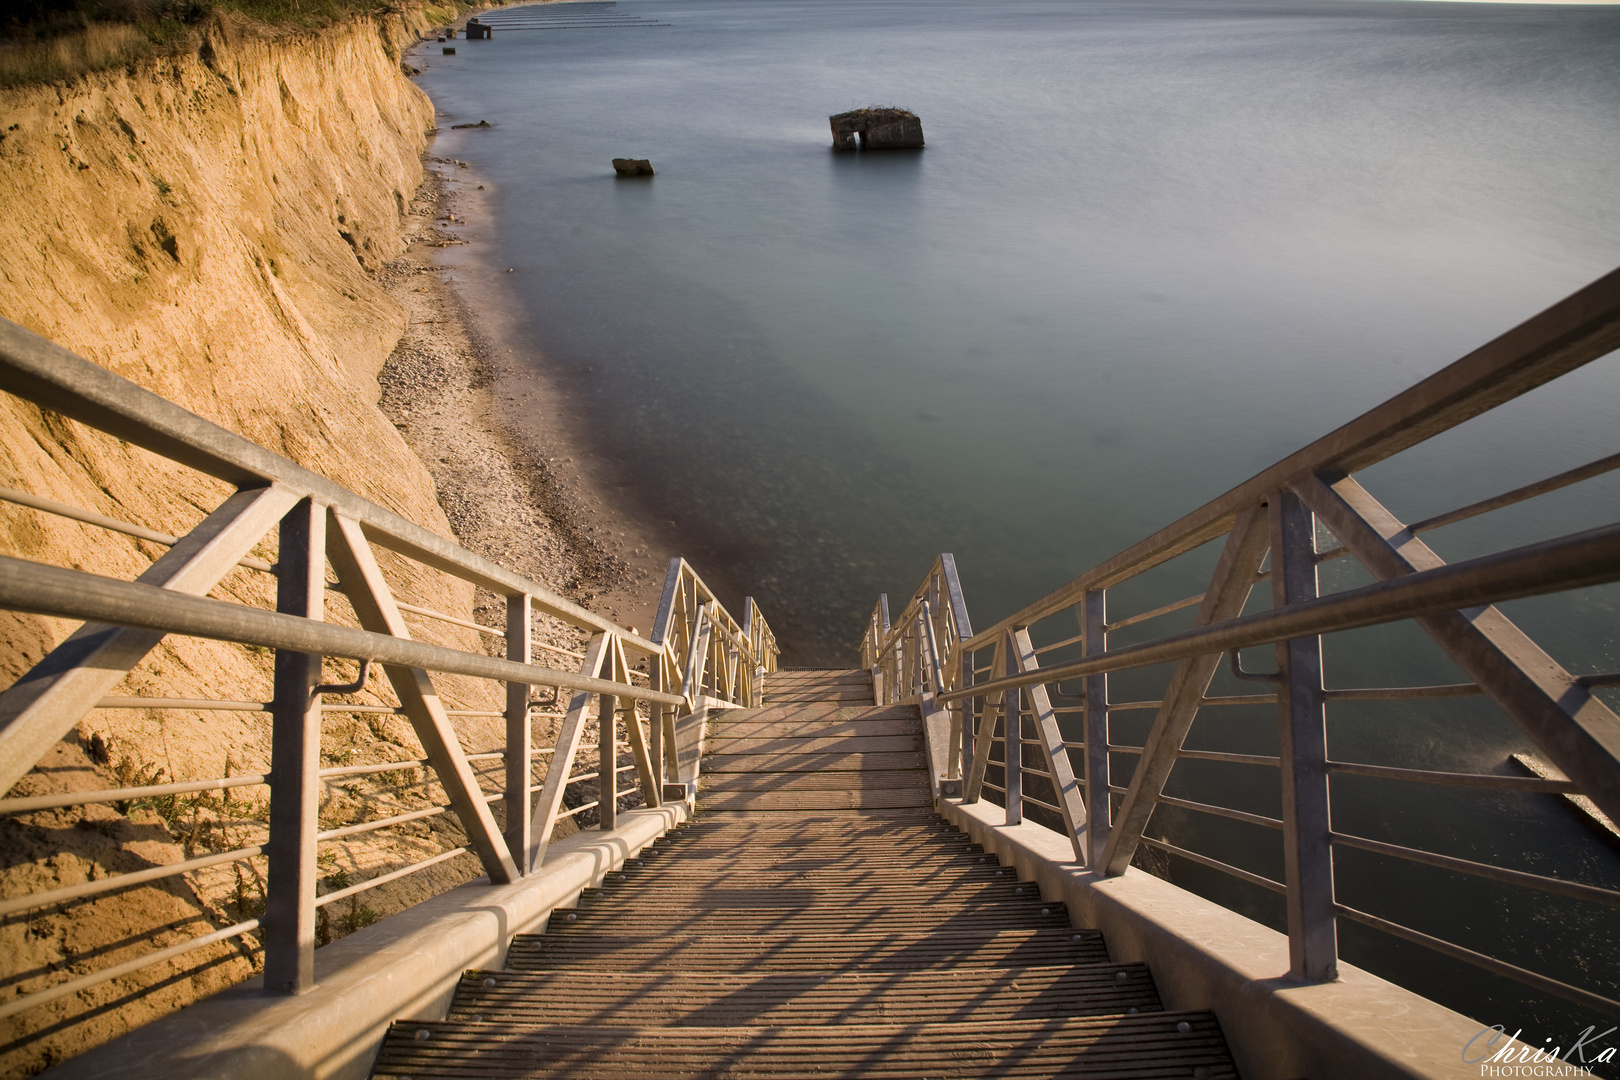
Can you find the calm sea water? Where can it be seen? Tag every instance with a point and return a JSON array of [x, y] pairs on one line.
[[1151, 247]]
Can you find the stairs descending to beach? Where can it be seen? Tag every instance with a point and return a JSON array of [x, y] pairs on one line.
[[815, 919]]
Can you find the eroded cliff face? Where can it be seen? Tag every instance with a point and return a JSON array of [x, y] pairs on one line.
[[207, 226]]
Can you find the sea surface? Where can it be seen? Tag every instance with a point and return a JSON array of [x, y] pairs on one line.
[[1150, 248]]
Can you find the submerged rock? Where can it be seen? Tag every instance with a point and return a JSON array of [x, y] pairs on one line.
[[632, 166], [876, 129]]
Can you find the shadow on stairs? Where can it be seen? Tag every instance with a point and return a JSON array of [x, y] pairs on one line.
[[815, 920]]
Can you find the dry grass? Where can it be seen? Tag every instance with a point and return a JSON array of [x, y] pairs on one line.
[[95, 48], [63, 39]]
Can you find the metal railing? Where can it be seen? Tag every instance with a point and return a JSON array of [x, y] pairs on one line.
[[1048, 666], [696, 652]]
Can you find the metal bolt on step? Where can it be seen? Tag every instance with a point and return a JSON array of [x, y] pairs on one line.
[[1046, 911], [423, 1034], [1120, 976], [572, 916], [1184, 1028], [489, 984]]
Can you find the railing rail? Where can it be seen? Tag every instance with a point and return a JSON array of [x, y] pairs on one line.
[[1009, 730], [697, 653]]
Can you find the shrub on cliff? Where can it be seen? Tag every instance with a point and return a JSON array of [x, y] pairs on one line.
[[54, 40]]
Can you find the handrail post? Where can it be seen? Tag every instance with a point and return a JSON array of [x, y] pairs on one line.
[[519, 733], [928, 681], [1099, 799], [656, 711], [914, 659], [964, 720], [1012, 709], [607, 753], [1302, 746], [295, 760], [891, 669]]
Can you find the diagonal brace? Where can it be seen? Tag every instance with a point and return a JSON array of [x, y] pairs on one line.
[[44, 704], [562, 759], [1052, 748], [1574, 728], [1224, 599], [986, 736], [651, 795], [368, 593]]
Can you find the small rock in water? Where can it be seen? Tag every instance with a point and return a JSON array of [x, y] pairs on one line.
[[632, 166], [449, 50], [462, 127]]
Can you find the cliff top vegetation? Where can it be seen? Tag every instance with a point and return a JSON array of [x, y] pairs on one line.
[[53, 40]]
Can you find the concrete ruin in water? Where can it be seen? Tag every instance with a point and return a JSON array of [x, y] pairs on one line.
[[876, 129]]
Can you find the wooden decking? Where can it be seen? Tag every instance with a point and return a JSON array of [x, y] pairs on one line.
[[815, 920]]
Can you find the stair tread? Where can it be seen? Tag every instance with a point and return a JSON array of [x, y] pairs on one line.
[[1148, 1046], [782, 802], [818, 952], [800, 745], [809, 711], [721, 1000]]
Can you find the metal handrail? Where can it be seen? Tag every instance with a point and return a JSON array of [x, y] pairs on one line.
[[73, 594], [1587, 558], [54, 378], [1573, 332], [1273, 516], [320, 521]]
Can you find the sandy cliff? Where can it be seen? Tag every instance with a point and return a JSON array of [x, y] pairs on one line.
[[209, 226]]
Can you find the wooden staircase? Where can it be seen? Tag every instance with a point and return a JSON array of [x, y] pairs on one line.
[[815, 920]]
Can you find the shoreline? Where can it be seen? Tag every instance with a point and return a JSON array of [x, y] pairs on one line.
[[515, 469]]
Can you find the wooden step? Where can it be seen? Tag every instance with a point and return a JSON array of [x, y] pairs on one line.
[[800, 801], [877, 823], [807, 892], [875, 918], [792, 674], [829, 761], [814, 710], [739, 856], [834, 728], [787, 950], [812, 780], [897, 997], [961, 900], [1148, 1046], [854, 695], [899, 829], [846, 744]]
